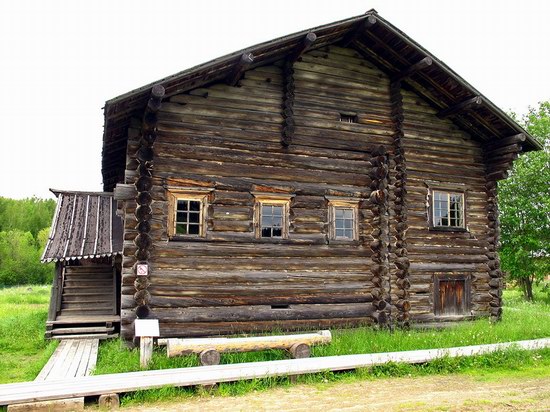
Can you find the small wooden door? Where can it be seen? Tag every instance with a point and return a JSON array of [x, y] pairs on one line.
[[451, 296]]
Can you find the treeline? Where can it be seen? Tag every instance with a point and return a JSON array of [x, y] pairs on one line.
[[24, 230]]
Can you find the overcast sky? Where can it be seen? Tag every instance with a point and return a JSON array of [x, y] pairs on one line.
[[61, 60]]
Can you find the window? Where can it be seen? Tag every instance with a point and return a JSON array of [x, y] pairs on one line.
[[187, 212], [447, 210], [272, 220], [271, 215], [452, 295], [188, 217], [343, 218], [348, 118]]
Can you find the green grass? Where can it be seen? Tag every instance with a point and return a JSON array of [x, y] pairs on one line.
[[23, 350]]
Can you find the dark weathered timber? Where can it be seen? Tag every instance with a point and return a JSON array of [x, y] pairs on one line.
[[359, 29], [143, 213], [420, 65], [399, 247], [289, 123], [244, 63], [471, 103], [281, 132], [304, 46]]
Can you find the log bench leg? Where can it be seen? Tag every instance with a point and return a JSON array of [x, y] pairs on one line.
[[299, 351], [109, 401], [209, 357]]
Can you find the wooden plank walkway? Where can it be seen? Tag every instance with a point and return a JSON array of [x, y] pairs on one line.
[[72, 358], [206, 375]]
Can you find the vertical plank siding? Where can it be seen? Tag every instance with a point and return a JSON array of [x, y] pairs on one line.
[[230, 139]]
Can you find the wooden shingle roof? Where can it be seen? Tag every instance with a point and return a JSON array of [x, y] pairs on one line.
[[85, 226], [380, 42]]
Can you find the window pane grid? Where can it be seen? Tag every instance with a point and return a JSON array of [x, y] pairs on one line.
[[344, 222], [188, 217], [448, 209], [272, 220]]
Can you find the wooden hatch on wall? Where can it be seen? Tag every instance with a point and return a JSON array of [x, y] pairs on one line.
[[451, 295]]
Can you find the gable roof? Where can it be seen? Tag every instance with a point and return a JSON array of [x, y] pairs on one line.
[[85, 226], [382, 43]]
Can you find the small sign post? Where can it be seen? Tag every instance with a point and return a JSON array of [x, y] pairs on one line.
[[146, 330]]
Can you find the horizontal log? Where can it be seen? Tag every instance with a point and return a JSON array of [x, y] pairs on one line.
[[182, 347], [263, 313], [124, 191]]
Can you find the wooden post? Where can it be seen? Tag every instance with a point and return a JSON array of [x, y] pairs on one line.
[[145, 351], [146, 329]]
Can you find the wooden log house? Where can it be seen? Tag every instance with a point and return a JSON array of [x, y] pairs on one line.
[[338, 176]]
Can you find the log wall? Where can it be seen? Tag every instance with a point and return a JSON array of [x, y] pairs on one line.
[[279, 130], [438, 152]]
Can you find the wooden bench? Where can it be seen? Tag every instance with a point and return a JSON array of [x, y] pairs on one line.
[[209, 349]]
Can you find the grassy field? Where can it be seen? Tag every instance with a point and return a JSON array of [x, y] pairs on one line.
[[23, 350], [22, 322]]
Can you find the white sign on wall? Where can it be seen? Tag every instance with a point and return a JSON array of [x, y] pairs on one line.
[[142, 269], [147, 327]]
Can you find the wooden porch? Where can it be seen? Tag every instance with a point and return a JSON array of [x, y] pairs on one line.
[[83, 303]]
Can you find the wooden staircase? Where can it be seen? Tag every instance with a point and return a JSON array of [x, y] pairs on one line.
[[85, 303]]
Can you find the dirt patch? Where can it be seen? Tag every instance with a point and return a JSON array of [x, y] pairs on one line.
[[433, 393]]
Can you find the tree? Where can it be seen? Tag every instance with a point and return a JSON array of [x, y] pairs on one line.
[[524, 203]]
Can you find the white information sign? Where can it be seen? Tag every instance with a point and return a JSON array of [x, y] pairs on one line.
[[142, 269], [147, 327]]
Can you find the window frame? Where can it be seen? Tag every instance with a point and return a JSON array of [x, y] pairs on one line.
[[189, 194], [271, 199], [448, 189], [335, 203]]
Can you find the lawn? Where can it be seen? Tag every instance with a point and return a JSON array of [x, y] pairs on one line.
[[23, 313], [23, 350]]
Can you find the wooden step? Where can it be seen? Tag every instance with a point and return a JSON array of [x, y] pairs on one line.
[[77, 290], [83, 319], [82, 330], [88, 298], [86, 336], [85, 307], [89, 278], [99, 268], [88, 282]]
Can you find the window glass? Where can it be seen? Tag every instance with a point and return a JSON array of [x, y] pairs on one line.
[[272, 220], [448, 209], [188, 217], [343, 222]]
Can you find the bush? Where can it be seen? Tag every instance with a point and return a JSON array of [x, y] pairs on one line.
[[20, 256]]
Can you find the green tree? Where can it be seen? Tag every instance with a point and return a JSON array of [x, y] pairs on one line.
[[524, 202]]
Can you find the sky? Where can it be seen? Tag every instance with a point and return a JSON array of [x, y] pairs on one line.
[[61, 60]]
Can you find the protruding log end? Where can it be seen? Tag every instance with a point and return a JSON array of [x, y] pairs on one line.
[[143, 311], [109, 401], [247, 59], [310, 39], [369, 22], [300, 351], [158, 91], [209, 357]]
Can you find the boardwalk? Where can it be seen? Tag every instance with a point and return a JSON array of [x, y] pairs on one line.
[[132, 381], [72, 358]]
